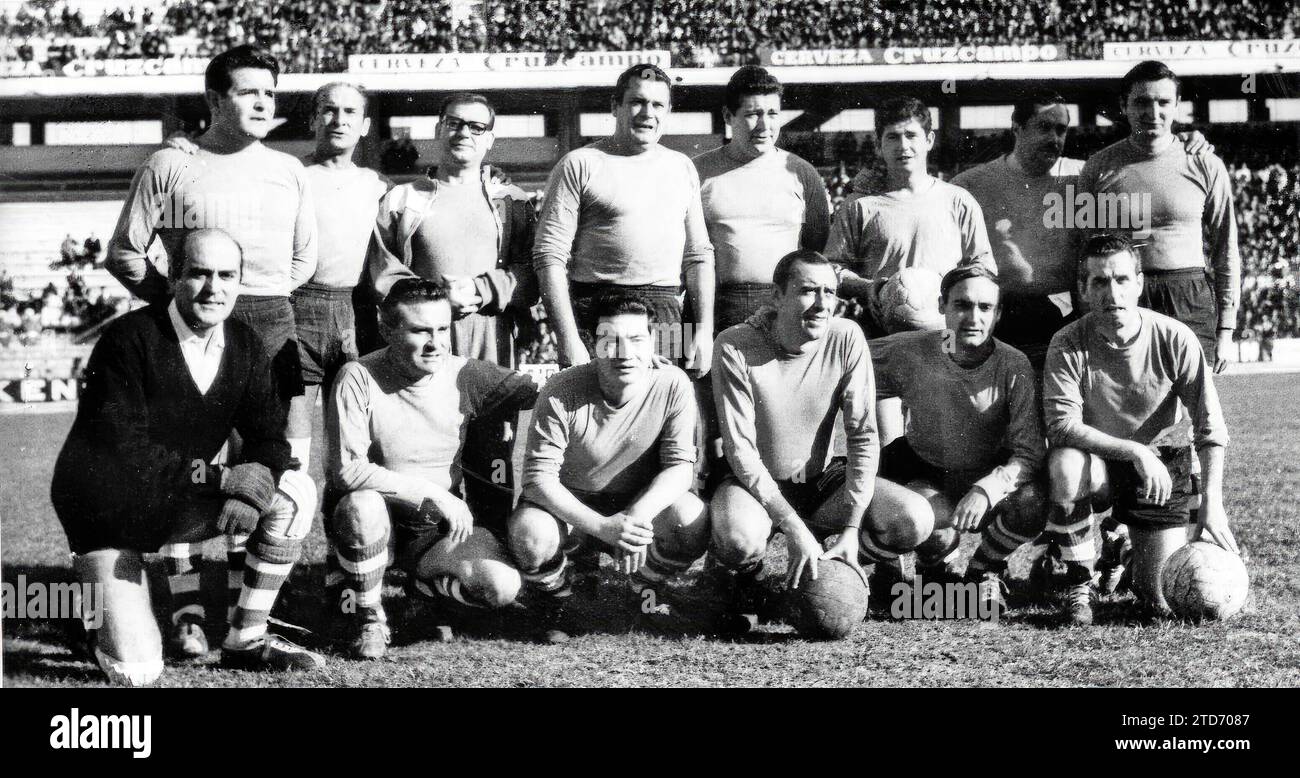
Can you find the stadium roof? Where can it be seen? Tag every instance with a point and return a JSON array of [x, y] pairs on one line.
[[551, 79]]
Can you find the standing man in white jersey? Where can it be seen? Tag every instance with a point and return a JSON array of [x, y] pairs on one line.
[[459, 227], [1112, 388], [760, 202], [918, 221], [1178, 209], [346, 198], [262, 199], [235, 183], [624, 214]]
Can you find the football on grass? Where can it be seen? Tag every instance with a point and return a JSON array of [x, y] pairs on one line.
[[1203, 581], [830, 607]]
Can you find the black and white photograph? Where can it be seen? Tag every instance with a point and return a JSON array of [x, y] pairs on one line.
[[651, 343]]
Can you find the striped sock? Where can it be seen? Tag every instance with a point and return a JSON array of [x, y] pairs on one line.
[[938, 550], [997, 542], [334, 576], [270, 559], [235, 553], [658, 567], [551, 578], [362, 572], [182, 561], [1072, 532], [870, 551], [449, 586]]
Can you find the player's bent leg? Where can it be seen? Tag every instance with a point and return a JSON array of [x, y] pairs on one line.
[[898, 520], [739, 527], [186, 638], [936, 555], [273, 548], [1075, 479], [127, 644], [476, 573], [536, 542], [298, 427], [1018, 519], [1152, 547], [359, 532], [681, 535]]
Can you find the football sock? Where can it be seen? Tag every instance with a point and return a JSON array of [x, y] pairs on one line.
[[1071, 529], [182, 561], [997, 542], [939, 550], [270, 559], [235, 545], [362, 571]]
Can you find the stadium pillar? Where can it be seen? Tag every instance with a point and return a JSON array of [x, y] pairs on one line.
[[949, 140], [171, 118], [37, 132], [1257, 109], [565, 114]]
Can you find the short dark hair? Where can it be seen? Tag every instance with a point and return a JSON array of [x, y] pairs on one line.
[[462, 98], [1105, 244], [217, 77], [408, 291], [967, 269], [1150, 70], [901, 109], [781, 274], [177, 267], [645, 71], [1026, 107], [331, 86], [611, 304], [751, 80]]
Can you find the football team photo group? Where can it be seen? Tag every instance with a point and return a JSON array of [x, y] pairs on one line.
[[930, 360], [698, 410]]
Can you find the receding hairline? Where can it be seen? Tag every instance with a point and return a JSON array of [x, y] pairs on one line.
[[333, 86]]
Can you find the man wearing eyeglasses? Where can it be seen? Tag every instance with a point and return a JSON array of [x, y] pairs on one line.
[[459, 227]]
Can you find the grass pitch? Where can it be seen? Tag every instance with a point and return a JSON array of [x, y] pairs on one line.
[[1028, 647]]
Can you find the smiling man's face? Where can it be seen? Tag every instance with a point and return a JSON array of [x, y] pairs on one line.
[[806, 304], [456, 133]]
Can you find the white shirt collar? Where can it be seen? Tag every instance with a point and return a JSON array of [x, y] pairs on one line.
[[216, 338]]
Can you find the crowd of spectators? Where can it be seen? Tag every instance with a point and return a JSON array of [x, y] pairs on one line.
[[318, 35], [24, 321]]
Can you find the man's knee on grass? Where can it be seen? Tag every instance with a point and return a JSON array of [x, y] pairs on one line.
[[128, 645]]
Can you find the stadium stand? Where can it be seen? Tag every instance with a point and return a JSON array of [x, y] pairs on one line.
[[318, 35]]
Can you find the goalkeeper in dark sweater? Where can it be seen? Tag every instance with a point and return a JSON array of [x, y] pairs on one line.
[[165, 386]]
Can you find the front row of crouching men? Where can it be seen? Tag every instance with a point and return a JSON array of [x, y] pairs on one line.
[[610, 456]]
